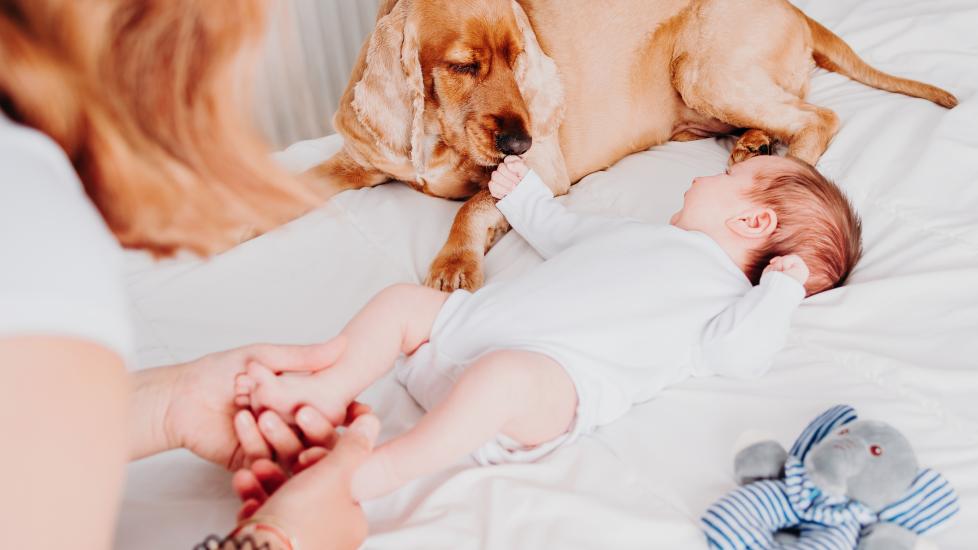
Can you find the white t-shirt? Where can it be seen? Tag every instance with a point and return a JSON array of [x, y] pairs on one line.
[[60, 266]]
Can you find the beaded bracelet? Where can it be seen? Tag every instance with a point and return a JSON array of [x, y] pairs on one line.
[[214, 542], [265, 525]]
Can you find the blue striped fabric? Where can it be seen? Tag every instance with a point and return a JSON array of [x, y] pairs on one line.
[[930, 503], [821, 427], [748, 517]]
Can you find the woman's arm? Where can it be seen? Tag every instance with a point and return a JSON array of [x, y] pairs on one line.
[[151, 392], [62, 423]]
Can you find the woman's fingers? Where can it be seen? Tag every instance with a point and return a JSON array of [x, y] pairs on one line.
[[248, 509], [283, 441], [247, 486], [270, 475], [354, 445], [252, 442], [309, 457], [315, 428], [282, 358], [355, 410], [254, 486]]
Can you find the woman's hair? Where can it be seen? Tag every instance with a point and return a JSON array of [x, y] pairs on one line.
[[815, 221], [150, 100]]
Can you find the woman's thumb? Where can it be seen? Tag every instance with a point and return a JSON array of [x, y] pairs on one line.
[[356, 443]]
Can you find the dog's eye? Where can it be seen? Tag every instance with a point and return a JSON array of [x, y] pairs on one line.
[[465, 68]]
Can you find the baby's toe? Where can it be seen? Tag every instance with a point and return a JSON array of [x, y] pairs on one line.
[[243, 384]]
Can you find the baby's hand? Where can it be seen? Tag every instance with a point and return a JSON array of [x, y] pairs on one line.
[[791, 265], [507, 176]]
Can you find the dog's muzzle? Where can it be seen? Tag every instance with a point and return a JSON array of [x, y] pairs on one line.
[[513, 144]]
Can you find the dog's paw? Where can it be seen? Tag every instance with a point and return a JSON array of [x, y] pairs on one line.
[[752, 144], [457, 269]]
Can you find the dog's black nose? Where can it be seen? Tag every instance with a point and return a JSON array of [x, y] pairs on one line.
[[513, 144]]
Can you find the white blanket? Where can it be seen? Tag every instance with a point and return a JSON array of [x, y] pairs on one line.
[[899, 342]]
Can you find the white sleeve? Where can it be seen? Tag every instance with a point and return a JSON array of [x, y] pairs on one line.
[[743, 339], [60, 267], [546, 224]]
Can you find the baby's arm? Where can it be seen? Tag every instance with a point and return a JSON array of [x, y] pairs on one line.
[[742, 340], [530, 207]]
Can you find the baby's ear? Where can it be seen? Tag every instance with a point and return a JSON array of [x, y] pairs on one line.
[[755, 223]]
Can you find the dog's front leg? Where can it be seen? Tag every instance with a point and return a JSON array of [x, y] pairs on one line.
[[547, 159], [342, 172], [477, 226]]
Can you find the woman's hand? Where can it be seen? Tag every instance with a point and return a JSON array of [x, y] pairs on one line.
[[315, 506], [192, 405], [270, 438]]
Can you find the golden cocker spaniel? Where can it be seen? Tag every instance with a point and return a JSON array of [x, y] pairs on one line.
[[445, 89]]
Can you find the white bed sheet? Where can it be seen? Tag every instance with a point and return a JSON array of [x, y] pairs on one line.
[[900, 342]]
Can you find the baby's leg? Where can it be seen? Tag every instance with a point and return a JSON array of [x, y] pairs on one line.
[[397, 320], [523, 395]]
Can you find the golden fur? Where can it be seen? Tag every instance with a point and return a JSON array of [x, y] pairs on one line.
[[611, 78], [145, 97]]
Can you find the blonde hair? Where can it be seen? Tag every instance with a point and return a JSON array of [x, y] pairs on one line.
[[815, 221], [149, 100]]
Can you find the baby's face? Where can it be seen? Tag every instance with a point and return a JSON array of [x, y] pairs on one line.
[[712, 200]]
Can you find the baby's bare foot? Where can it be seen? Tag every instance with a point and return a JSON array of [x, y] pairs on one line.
[[261, 389]]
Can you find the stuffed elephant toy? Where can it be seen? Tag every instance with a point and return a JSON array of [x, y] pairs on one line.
[[845, 484]]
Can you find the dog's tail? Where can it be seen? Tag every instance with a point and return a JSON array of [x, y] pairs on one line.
[[833, 54]]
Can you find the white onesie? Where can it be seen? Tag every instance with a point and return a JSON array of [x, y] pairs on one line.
[[626, 308]]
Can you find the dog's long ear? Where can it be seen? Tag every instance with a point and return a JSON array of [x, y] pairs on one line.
[[389, 99], [539, 80]]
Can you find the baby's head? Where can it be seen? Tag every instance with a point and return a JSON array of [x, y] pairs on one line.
[[772, 206]]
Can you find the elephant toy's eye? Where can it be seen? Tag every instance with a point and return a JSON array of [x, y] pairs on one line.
[[875, 450], [844, 431]]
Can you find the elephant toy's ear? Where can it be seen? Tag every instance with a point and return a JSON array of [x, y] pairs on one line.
[[821, 427], [929, 503]]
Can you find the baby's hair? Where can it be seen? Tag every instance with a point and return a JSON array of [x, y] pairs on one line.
[[815, 221]]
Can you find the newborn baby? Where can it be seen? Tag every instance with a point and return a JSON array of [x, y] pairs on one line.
[[619, 310]]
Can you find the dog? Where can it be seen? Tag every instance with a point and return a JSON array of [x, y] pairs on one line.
[[445, 89]]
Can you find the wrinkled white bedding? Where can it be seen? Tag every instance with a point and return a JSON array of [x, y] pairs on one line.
[[900, 342]]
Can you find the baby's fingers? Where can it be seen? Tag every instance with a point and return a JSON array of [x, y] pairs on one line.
[[517, 165], [497, 190], [509, 173], [504, 184], [793, 260]]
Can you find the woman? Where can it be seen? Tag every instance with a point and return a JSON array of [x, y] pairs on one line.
[[124, 121]]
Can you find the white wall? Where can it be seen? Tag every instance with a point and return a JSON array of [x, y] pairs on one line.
[[310, 51]]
